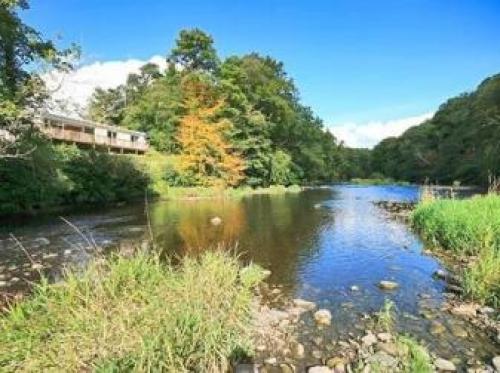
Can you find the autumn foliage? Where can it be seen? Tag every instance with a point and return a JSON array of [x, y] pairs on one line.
[[206, 154]]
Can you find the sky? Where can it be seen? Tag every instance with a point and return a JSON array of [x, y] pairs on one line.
[[368, 68]]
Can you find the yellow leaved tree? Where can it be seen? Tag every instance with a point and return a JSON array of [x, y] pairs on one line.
[[206, 155]]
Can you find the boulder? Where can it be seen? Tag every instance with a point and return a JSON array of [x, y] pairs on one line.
[[388, 285], [444, 365], [323, 317]]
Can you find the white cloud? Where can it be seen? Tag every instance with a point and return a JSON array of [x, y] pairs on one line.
[[76, 87], [367, 135]]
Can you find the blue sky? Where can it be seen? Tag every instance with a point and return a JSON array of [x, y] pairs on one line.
[[354, 61]]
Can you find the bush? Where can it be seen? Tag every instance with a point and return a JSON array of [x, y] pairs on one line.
[[135, 314]]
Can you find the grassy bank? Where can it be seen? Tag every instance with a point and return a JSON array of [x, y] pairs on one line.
[[467, 227], [134, 314]]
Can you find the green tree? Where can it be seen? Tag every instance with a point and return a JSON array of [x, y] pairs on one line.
[[194, 50]]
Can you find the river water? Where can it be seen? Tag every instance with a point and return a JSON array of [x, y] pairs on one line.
[[317, 243]]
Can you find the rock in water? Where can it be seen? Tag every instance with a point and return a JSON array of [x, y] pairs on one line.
[[323, 317], [444, 365], [216, 220], [388, 285], [301, 303], [465, 310]]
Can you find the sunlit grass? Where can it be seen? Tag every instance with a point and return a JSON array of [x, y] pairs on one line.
[[467, 227], [134, 314]]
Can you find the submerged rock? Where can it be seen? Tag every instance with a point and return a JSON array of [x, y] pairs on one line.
[[388, 285], [444, 365], [354, 288], [323, 317], [437, 328]]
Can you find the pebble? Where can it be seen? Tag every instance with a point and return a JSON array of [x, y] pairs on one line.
[[384, 337], [444, 365], [437, 328], [369, 340], [216, 220], [467, 310], [496, 363], [388, 285], [301, 303], [323, 317], [319, 369]]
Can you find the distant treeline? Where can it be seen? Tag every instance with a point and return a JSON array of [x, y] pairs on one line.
[[461, 143], [237, 121]]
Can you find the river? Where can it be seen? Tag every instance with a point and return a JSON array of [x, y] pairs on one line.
[[318, 244]]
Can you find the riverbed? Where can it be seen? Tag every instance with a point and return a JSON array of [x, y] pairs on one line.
[[330, 245]]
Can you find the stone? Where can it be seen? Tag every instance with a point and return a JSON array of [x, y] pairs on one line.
[[260, 348], [271, 361], [464, 310], [388, 347], [444, 365], [67, 252], [334, 362], [304, 304], [3, 284], [319, 369], [354, 288], [287, 368], [15, 279], [388, 285], [37, 266], [486, 310], [496, 363], [323, 317], [246, 368], [437, 328], [455, 289], [368, 340], [216, 221], [384, 337], [382, 359], [266, 273], [316, 354], [441, 274], [458, 331], [41, 241], [49, 255], [299, 351]]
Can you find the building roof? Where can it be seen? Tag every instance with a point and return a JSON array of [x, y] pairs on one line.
[[88, 123]]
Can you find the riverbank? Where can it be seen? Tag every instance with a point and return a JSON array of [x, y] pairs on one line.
[[135, 314]]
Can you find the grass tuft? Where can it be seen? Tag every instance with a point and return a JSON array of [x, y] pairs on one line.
[[134, 314]]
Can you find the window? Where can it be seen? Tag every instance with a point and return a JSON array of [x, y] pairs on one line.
[[111, 135]]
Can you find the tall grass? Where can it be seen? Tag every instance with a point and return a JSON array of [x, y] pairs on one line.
[[134, 314], [467, 227]]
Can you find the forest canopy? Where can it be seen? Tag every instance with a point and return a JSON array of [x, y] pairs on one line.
[[461, 143], [228, 121]]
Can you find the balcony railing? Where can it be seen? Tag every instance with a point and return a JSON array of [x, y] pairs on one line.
[[88, 138]]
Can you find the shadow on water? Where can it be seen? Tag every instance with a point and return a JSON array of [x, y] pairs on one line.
[[318, 244]]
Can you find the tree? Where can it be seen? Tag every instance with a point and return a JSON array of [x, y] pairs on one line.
[[205, 153], [194, 50], [22, 91]]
